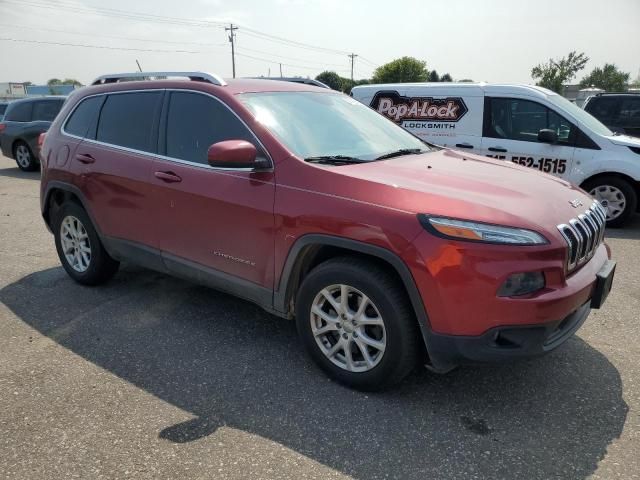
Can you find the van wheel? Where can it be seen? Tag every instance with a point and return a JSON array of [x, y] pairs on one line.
[[79, 247], [616, 195], [24, 157], [357, 324]]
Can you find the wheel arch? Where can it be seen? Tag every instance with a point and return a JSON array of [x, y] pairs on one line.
[[630, 180], [56, 194], [312, 249]]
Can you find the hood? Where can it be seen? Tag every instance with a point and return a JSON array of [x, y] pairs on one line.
[[624, 140], [466, 186]]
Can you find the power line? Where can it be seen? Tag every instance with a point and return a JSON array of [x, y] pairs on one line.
[[266, 60], [290, 58], [97, 46], [112, 36], [294, 43]]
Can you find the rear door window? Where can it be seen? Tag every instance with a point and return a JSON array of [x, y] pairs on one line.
[[83, 118], [128, 119], [197, 121], [19, 112], [604, 109], [630, 112], [46, 110]]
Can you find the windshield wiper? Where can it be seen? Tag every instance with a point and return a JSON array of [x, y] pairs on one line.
[[335, 159], [400, 153]]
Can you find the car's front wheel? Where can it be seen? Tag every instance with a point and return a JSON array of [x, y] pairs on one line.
[[25, 159], [356, 322], [616, 195], [79, 247]]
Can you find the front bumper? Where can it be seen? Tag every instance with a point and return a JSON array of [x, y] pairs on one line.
[[501, 344]]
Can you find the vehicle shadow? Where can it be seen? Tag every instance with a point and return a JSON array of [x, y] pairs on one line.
[[630, 230], [230, 364], [17, 173]]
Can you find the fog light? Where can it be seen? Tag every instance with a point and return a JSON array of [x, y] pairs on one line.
[[521, 284]]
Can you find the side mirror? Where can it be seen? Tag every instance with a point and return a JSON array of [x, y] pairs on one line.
[[546, 135], [233, 154]]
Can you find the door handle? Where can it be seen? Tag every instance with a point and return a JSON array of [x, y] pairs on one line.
[[464, 145], [168, 177], [497, 149], [85, 158]]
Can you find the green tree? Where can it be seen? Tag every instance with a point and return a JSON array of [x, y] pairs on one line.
[[446, 78], [608, 78], [554, 74], [54, 81], [465, 80], [401, 70], [332, 80], [71, 81], [433, 76]]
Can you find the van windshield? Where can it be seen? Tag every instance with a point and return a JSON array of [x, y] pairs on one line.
[[319, 125], [588, 120]]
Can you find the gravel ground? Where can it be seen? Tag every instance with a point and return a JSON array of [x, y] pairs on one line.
[[153, 377]]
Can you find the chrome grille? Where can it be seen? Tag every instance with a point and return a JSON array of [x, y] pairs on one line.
[[584, 234]]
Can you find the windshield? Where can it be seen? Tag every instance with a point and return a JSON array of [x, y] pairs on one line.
[[588, 120], [318, 124]]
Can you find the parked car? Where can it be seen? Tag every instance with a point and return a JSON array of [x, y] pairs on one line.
[[522, 124], [3, 108], [302, 200], [23, 122], [618, 111]]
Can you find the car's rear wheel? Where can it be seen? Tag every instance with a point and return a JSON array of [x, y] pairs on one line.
[[24, 157], [616, 195], [79, 248], [357, 324]]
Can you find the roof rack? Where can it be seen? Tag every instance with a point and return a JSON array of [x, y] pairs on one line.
[[124, 77]]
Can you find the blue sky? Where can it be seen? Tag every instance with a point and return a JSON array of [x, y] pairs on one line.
[[492, 40]]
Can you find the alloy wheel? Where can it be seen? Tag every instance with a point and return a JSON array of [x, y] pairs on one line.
[[75, 243], [348, 328], [23, 156]]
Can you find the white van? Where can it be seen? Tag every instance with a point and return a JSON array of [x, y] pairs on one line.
[[524, 124]]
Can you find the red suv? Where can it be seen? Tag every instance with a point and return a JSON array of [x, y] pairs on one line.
[[385, 249]]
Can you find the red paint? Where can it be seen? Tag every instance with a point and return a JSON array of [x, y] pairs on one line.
[[257, 216]]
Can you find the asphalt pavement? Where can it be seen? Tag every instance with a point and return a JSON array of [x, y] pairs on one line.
[[153, 377]]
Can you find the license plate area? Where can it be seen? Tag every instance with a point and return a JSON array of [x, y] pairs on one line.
[[604, 281]]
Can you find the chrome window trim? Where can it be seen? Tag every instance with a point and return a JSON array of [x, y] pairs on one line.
[[164, 157]]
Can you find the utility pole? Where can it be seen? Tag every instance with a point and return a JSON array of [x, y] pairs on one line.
[[139, 67], [353, 57], [232, 37], [280, 70]]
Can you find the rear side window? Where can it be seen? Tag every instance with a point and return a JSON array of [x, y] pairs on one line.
[[630, 112], [604, 109], [195, 122], [83, 117], [3, 108], [19, 112], [516, 119], [46, 110], [127, 120]]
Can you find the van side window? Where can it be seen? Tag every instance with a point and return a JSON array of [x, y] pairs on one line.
[[19, 112], [83, 117], [46, 110], [127, 120], [197, 121], [516, 119]]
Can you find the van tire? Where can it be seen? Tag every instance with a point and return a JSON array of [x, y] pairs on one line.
[[389, 305], [623, 187]]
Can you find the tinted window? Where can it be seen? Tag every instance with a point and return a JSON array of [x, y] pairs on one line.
[[604, 109], [46, 110], [19, 112], [3, 107], [83, 116], [630, 112], [516, 119], [127, 120], [195, 122]]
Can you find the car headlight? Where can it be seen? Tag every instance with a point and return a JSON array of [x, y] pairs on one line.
[[480, 232]]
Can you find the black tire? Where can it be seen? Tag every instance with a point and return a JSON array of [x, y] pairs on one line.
[[101, 267], [402, 333], [24, 157], [627, 190]]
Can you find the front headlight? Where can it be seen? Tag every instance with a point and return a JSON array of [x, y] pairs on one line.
[[480, 232]]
